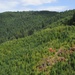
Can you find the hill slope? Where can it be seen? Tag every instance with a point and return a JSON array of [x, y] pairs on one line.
[[42, 43], [14, 25], [21, 56]]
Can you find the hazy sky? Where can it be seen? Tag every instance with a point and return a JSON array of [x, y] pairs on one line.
[[26, 5]]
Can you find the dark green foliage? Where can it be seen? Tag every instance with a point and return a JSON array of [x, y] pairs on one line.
[[72, 20], [20, 56], [14, 25]]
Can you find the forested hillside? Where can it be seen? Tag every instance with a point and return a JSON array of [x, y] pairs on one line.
[[14, 25], [37, 43]]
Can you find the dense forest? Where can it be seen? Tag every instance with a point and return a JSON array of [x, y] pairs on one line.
[[37, 43], [14, 25]]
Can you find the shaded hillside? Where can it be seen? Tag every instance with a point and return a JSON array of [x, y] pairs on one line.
[[71, 21], [14, 25]]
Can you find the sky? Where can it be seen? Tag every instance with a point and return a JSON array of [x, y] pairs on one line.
[[36, 5]]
